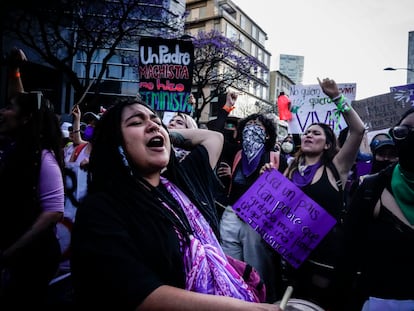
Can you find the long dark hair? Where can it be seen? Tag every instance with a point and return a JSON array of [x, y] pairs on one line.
[[327, 155], [138, 200], [20, 170]]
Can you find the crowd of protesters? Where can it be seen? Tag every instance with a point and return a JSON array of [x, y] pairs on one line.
[[151, 205]]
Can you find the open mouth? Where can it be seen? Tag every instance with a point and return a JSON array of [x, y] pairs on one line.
[[157, 141]]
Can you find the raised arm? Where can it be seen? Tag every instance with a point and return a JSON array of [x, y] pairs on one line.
[[346, 156], [211, 140], [77, 138], [15, 60], [219, 123]]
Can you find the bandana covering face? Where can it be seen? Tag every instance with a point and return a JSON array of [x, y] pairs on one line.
[[253, 147], [87, 135], [207, 268], [403, 189]]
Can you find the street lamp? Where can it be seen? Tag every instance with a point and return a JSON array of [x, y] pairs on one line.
[[392, 69]]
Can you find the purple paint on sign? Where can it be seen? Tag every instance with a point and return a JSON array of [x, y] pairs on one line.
[[287, 219]]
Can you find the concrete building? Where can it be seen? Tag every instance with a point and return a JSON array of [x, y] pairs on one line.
[[292, 66], [226, 17], [279, 82], [410, 60]]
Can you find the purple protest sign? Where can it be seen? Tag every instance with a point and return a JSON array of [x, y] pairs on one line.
[[287, 219]]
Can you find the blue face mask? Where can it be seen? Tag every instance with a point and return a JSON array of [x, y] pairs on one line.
[[88, 133]]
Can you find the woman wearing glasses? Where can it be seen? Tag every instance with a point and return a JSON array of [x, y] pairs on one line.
[[380, 232]]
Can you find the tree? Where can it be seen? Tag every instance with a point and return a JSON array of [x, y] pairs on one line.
[[59, 31], [219, 63]]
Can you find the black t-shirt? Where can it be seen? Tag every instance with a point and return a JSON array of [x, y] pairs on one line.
[[116, 264]]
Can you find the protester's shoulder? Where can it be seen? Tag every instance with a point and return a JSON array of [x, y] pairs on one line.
[[94, 203], [199, 153]]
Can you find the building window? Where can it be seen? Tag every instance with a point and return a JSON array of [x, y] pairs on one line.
[[260, 55], [197, 13], [254, 32], [243, 22], [262, 38], [254, 50], [231, 32]]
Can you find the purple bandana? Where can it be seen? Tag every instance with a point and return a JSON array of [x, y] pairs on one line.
[[304, 178]]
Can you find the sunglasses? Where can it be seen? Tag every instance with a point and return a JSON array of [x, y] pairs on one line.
[[401, 132]]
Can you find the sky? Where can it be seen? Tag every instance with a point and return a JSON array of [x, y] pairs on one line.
[[350, 41]]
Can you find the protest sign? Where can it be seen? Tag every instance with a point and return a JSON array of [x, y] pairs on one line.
[[404, 94], [381, 111], [287, 219], [166, 73], [309, 105]]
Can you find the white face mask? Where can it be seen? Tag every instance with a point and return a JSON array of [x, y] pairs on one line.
[[287, 147]]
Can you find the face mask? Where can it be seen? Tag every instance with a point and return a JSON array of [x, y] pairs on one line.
[[287, 147], [379, 165], [229, 136], [88, 133], [405, 155]]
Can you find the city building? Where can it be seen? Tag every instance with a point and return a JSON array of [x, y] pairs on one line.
[[292, 66], [154, 18], [227, 18], [120, 78], [410, 61], [279, 82]]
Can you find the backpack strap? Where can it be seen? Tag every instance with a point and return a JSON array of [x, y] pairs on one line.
[[338, 179], [236, 161], [339, 184], [77, 151]]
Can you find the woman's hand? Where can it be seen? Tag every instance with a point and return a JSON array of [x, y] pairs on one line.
[[231, 99], [223, 170], [329, 87], [76, 112], [16, 58], [266, 167], [191, 100]]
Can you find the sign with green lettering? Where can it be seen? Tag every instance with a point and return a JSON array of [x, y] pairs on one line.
[[165, 73]]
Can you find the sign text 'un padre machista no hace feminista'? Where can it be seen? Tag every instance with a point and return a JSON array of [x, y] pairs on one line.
[[165, 73], [287, 219]]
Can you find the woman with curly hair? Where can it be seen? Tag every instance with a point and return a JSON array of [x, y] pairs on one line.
[[257, 136]]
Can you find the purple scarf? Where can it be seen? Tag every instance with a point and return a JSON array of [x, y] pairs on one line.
[[207, 268], [305, 177]]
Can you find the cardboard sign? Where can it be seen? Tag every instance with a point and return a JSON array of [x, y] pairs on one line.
[[310, 105], [381, 111], [404, 94], [166, 73], [287, 219]]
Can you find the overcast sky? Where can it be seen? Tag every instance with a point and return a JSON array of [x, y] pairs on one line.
[[351, 41]]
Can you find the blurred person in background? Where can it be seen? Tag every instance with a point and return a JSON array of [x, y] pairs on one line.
[[31, 192]]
